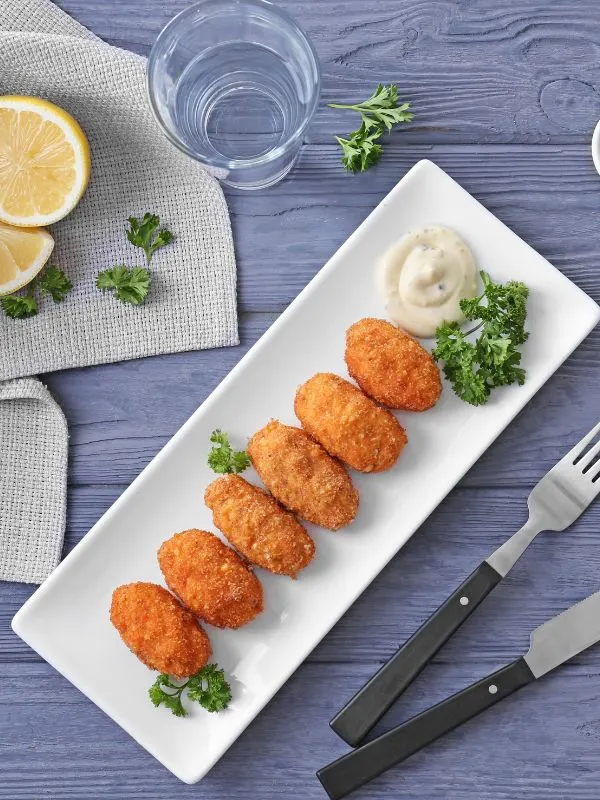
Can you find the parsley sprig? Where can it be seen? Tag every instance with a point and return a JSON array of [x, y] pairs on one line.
[[147, 234], [475, 368], [378, 114], [19, 306], [207, 687], [130, 285], [223, 458], [51, 282]]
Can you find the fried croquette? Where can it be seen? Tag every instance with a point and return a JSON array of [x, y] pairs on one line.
[[156, 627], [211, 579], [391, 366], [256, 525], [303, 476], [349, 424]]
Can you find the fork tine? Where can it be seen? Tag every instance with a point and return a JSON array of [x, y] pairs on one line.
[[593, 484], [586, 461], [579, 448]]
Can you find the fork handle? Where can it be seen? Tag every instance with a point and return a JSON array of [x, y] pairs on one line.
[[371, 702]]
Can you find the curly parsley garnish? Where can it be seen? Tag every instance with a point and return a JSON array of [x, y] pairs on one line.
[[207, 687], [147, 234], [54, 283], [475, 368], [19, 306], [130, 285], [378, 114], [223, 458], [51, 282]]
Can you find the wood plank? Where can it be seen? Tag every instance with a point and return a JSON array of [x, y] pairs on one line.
[[120, 415], [522, 79], [541, 744], [548, 195], [484, 72], [467, 527]]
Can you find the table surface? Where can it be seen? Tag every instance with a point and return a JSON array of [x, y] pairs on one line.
[[505, 96]]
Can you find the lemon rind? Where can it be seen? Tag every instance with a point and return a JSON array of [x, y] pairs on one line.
[[75, 136]]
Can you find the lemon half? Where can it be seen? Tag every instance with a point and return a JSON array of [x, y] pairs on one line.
[[44, 162], [23, 253]]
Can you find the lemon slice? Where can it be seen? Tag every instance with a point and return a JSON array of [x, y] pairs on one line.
[[23, 253], [44, 162]]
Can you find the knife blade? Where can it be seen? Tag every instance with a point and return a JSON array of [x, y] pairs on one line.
[[551, 645], [564, 636]]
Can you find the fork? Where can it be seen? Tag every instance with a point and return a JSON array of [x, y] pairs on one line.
[[554, 504]]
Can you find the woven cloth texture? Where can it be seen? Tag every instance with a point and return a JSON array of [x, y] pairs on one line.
[[33, 481], [192, 300]]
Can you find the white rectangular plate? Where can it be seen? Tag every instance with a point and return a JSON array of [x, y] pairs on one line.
[[67, 621]]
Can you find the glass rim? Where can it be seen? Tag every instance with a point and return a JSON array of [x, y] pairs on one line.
[[234, 163]]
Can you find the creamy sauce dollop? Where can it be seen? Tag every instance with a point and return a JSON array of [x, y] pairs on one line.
[[423, 277]]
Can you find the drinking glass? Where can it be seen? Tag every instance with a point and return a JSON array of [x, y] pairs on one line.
[[234, 84]]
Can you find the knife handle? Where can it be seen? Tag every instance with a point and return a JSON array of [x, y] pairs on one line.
[[363, 764], [371, 702]]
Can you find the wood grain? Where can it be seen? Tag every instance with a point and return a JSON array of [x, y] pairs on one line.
[[556, 215], [474, 72], [540, 744], [113, 439], [557, 571], [505, 97]]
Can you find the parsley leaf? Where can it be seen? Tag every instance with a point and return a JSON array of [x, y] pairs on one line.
[[360, 151], [222, 458], [147, 234], [51, 281], [131, 285], [493, 360], [207, 687], [171, 700], [381, 108], [55, 283], [19, 306], [378, 114]]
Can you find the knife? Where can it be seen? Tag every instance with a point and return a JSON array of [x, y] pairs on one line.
[[553, 643], [556, 501]]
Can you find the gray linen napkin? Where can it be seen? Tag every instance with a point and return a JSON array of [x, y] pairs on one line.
[[33, 481], [192, 301]]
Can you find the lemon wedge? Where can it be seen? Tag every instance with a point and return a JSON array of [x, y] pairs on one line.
[[23, 253], [44, 162]]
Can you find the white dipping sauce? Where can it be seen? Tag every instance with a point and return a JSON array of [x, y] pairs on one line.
[[424, 276]]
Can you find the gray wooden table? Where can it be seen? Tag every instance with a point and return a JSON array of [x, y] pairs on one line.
[[505, 94]]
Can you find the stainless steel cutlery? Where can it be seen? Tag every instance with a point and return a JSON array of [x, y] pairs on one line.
[[554, 504], [553, 643]]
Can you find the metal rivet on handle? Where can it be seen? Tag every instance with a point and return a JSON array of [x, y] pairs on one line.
[[493, 689], [464, 601]]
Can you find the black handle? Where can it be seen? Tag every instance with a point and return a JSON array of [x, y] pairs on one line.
[[365, 763], [368, 705]]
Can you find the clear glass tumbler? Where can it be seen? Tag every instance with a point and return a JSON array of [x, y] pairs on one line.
[[234, 84]]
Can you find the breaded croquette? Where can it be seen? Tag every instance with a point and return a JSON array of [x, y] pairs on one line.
[[211, 579], [302, 476], [349, 424], [391, 366], [161, 633], [256, 525]]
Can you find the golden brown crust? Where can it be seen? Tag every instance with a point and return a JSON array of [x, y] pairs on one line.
[[391, 366], [210, 578], [348, 424], [161, 633], [256, 525], [302, 476]]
